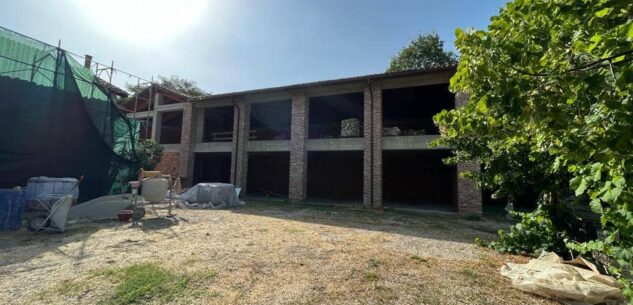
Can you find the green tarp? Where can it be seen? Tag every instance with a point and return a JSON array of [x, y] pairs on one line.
[[56, 121]]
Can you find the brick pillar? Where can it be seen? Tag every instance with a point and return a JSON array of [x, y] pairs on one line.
[[157, 119], [468, 194], [298, 154], [187, 138], [239, 155], [372, 151]]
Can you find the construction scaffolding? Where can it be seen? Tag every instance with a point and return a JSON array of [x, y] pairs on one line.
[[59, 119]]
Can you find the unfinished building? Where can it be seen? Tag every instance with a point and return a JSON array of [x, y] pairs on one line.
[[361, 140]]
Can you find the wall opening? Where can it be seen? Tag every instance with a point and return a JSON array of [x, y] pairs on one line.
[[335, 175], [212, 167], [218, 124], [145, 128], [268, 174], [410, 111], [170, 127], [327, 115], [271, 120], [419, 179]]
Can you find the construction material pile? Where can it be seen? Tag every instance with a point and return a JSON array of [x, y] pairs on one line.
[[350, 128]]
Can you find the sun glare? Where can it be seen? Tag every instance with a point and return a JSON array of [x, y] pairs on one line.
[[143, 21]]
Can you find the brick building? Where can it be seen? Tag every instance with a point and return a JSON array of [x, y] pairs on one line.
[[360, 139]]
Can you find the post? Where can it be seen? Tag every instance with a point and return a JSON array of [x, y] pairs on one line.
[[187, 137], [372, 147], [239, 156], [297, 190], [469, 199]]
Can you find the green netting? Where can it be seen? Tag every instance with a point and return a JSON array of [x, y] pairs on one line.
[[57, 121]]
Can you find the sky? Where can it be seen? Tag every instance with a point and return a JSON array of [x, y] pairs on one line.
[[235, 45]]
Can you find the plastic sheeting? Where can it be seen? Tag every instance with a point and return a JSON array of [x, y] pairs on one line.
[[211, 195], [575, 282]]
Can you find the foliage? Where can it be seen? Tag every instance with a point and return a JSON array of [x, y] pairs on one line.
[[547, 228], [426, 51], [181, 85], [148, 154], [551, 108]]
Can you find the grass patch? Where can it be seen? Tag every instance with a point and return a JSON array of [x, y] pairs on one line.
[[371, 275], [470, 274], [473, 217], [67, 288], [293, 230], [418, 259], [144, 283]]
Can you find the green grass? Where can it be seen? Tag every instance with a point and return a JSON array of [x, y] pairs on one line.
[[144, 283], [371, 275], [470, 274]]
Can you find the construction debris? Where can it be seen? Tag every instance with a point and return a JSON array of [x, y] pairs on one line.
[[350, 128], [391, 131], [576, 282]]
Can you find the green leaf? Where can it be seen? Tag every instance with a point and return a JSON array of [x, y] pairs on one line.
[[603, 12]]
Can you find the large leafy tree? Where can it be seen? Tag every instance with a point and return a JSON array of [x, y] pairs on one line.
[[178, 84], [551, 107], [426, 51]]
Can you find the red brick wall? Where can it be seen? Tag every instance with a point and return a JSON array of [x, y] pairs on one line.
[[170, 164], [298, 155]]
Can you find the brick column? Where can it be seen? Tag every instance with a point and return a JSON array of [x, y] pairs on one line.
[[372, 151], [239, 155], [298, 154], [468, 194], [187, 137]]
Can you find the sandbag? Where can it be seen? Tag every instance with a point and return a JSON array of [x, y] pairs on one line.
[[574, 282]]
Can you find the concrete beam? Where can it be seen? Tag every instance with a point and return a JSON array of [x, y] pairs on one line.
[[140, 114], [170, 148], [170, 107], [157, 117], [340, 144], [419, 142], [213, 147], [269, 146]]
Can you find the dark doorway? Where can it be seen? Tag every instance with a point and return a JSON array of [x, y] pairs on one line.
[[335, 175], [419, 179], [212, 167], [268, 174]]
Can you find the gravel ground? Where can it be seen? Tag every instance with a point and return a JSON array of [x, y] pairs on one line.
[[269, 253]]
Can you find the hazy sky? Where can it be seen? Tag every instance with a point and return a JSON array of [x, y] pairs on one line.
[[243, 44]]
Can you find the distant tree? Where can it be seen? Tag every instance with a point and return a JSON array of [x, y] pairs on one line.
[[426, 51], [174, 82]]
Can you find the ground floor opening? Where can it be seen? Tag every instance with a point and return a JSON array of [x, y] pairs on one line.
[[268, 174], [212, 167], [419, 180], [335, 176]]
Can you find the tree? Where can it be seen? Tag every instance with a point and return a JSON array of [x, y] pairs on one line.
[[184, 86], [148, 154], [426, 51], [551, 104]]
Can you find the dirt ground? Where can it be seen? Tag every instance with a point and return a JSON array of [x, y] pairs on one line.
[[269, 253]]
